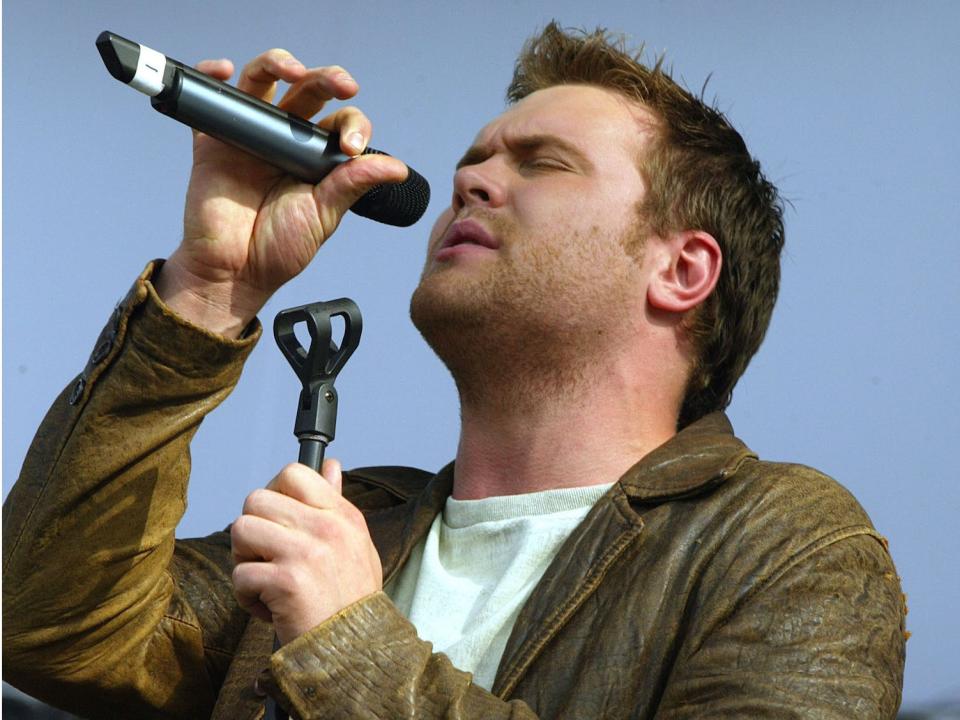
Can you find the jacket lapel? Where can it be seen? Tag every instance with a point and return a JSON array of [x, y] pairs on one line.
[[696, 459], [575, 573], [396, 530]]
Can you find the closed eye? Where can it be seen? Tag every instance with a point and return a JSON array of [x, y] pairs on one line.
[[544, 163]]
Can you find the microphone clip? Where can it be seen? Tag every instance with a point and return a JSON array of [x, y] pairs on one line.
[[317, 368]]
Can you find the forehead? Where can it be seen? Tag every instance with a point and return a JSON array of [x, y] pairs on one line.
[[590, 117]]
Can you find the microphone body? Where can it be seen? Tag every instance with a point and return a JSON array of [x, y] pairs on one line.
[[279, 138]]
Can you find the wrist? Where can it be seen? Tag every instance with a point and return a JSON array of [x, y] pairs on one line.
[[223, 307]]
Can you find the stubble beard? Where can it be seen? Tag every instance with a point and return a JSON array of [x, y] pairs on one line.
[[522, 330]]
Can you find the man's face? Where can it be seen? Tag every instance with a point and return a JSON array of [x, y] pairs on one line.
[[541, 231]]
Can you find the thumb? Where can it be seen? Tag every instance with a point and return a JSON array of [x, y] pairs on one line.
[[349, 181], [332, 472]]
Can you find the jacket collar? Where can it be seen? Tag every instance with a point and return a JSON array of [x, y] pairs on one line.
[[703, 454]]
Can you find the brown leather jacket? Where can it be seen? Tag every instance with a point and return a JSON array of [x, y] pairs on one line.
[[705, 583]]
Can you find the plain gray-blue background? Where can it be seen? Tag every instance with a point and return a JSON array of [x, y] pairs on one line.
[[852, 107]]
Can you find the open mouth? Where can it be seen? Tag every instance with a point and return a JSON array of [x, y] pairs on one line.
[[469, 232]]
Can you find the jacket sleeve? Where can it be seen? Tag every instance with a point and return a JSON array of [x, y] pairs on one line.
[[367, 662], [820, 633], [104, 613]]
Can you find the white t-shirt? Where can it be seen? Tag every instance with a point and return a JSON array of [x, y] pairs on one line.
[[465, 583]]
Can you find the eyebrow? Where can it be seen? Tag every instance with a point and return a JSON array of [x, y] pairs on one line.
[[526, 144]]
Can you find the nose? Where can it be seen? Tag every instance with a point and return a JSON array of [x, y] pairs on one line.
[[478, 186]]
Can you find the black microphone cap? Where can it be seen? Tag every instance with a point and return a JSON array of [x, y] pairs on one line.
[[400, 204]]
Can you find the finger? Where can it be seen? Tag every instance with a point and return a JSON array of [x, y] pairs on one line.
[[259, 76], [297, 469], [333, 474], [276, 507], [219, 69], [309, 94], [255, 538], [305, 485], [354, 128], [250, 580]]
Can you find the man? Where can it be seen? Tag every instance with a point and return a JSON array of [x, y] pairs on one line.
[[603, 545]]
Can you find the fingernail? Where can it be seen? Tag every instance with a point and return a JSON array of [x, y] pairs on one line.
[[346, 77], [355, 140]]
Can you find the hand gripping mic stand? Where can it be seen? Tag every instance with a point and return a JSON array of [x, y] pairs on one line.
[[317, 367]]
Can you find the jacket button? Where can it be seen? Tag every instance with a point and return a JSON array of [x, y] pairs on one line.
[[102, 350], [77, 391]]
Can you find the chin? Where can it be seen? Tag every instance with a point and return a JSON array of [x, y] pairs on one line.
[[454, 317], [437, 303]]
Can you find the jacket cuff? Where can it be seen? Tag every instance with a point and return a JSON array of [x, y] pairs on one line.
[[142, 320], [364, 662], [177, 338]]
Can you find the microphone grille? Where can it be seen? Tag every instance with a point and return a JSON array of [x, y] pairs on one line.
[[400, 204]]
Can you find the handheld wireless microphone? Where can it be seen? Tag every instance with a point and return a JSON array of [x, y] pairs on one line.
[[284, 140]]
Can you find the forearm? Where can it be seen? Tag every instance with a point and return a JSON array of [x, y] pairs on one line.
[[90, 592]]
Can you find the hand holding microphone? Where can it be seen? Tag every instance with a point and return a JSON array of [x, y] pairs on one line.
[[249, 226]]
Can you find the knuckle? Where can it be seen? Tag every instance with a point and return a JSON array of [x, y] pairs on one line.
[[291, 469], [353, 515], [318, 554], [240, 529], [275, 56], [320, 531], [239, 576], [355, 117], [255, 500], [317, 89], [251, 66], [287, 477], [288, 578], [335, 529]]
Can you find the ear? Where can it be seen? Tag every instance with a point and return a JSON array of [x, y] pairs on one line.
[[686, 271]]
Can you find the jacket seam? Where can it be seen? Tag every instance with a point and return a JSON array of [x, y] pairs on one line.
[[807, 551], [192, 625], [130, 303], [199, 629], [181, 621], [11, 554], [367, 480], [698, 676]]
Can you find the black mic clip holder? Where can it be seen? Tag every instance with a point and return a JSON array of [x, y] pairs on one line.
[[317, 368]]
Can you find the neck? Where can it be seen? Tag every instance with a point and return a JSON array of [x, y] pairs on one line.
[[576, 433]]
